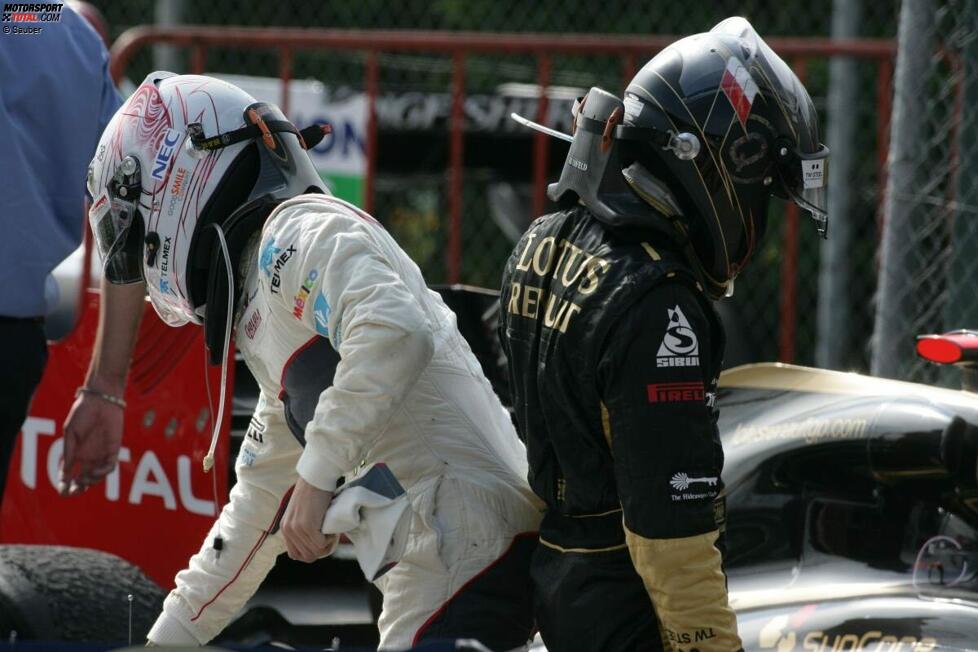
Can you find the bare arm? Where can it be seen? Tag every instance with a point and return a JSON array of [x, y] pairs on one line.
[[93, 429], [120, 312]]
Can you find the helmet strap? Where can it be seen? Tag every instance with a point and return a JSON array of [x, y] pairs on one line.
[[258, 128], [238, 229]]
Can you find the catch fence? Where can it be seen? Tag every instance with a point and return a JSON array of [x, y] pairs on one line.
[[455, 181]]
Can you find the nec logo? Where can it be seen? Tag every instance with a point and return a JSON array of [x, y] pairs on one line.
[[165, 153], [672, 392]]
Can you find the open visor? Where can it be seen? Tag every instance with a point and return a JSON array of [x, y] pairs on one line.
[[118, 230]]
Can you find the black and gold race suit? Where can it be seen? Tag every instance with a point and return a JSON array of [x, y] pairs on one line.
[[614, 355]]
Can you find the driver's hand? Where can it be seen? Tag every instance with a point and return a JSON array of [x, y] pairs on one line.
[[303, 522], [93, 435]]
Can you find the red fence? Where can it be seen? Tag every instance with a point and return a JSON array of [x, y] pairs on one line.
[[545, 47]]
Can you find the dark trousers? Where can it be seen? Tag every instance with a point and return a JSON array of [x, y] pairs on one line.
[[23, 354], [592, 602]]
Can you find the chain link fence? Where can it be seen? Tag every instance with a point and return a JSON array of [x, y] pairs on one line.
[[928, 269], [812, 306]]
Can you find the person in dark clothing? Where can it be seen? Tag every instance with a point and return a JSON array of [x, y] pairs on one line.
[[615, 348]]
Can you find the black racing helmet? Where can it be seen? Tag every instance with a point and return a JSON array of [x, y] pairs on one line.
[[757, 133]]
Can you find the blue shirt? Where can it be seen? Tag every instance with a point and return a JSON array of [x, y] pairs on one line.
[[56, 97]]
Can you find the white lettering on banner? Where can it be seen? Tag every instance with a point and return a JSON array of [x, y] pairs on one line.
[[190, 502], [54, 460], [33, 427], [344, 151], [112, 479], [151, 480], [345, 142], [488, 113]]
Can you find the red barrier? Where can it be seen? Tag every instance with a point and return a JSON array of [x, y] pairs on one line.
[[631, 49]]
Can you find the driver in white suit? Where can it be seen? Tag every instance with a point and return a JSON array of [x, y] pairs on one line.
[[209, 198]]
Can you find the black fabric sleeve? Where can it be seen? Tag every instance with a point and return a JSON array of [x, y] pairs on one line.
[[656, 375]]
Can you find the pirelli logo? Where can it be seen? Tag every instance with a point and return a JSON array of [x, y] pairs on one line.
[[675, 392]]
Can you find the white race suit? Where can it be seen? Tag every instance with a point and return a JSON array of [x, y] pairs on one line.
[[358, 362]]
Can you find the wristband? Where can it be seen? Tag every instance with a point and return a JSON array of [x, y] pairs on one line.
[[114, 400]]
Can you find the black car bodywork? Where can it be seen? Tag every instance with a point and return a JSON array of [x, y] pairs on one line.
[[852, 510]]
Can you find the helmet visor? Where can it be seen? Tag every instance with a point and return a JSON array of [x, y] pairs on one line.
[[807, 183], [118, 231]]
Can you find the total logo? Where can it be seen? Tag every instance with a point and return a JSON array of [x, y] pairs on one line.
[[150, 480], [32, 12]]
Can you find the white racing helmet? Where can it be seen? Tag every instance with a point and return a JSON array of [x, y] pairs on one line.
[[186, 152]]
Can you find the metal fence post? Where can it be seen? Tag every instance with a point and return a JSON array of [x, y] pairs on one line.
[[168, 13], [962, 305], [835, 306], [215, 48], [892, 352]]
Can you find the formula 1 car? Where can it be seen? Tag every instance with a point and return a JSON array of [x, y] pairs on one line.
[[852, 505], [852, 508]]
